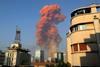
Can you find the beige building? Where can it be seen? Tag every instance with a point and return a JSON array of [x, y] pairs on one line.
[[83, 38], [15, 55]]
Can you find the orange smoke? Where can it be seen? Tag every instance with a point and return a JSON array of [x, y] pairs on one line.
[[46, 27], [49, 8]]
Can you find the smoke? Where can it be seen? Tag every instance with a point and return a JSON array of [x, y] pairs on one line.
[[46, 27]]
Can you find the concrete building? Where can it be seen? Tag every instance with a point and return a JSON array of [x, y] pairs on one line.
[[39, 56], [2, 57], [59, 57], [83, 38], [15, 55]]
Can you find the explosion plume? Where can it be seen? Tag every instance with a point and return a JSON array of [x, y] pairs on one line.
[[46, 27]]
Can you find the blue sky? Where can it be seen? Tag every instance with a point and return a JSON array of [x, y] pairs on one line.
[[25, 14]]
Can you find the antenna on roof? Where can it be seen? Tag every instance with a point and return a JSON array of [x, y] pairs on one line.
[[17, 37]]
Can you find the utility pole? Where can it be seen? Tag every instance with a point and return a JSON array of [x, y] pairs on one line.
[[97, 31]]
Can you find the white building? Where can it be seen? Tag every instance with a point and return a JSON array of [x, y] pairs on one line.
[[15, 55], [39, 56]]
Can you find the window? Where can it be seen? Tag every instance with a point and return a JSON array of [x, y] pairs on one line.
[[12, 59], [75, 14], [75, 47], [82, 27], [98, 9], [81, 11], [82, 46], [87, 10], [79, 47], [75, 28], [78, 27]]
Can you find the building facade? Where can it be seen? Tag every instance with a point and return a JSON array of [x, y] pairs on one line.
[[39, 56], [83, 38], [15, 55]]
